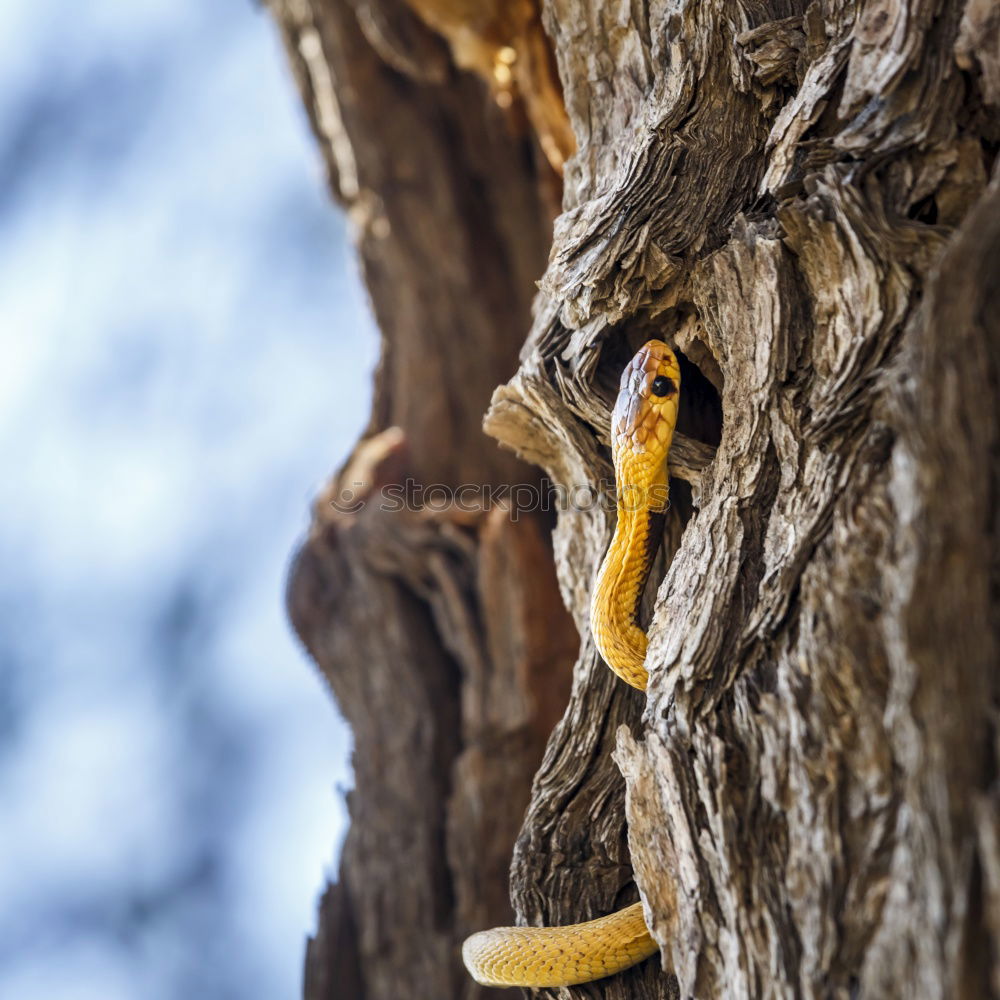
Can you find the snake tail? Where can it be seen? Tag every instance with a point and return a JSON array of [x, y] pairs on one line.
[[559, 956]]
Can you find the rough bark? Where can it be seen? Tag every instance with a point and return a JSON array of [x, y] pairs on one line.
[[438, 625], [796, 195]]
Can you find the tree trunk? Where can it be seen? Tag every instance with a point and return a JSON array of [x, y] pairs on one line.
[[796, 196]]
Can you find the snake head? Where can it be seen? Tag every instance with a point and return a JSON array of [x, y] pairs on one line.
[[645, 413]]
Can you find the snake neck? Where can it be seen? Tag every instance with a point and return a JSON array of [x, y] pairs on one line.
[[622, 579]]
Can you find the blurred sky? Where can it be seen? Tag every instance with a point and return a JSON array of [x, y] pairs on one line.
[[185, 356]]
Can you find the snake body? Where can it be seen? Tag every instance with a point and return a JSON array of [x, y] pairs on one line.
[[642, 428]]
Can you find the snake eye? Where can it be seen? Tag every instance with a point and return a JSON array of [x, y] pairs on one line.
[[662, 386]]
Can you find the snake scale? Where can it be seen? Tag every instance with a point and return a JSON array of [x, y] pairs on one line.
[[642, 428]]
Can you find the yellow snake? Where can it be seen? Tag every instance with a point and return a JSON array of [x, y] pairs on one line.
[[642, 427]]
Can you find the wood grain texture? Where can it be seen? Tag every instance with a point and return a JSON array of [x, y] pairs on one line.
[[788, 194], [796, 195]]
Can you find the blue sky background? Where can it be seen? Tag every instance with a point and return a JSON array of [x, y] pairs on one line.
[[185, 356]]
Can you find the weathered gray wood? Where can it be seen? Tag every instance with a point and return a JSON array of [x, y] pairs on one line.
[[775, 189]]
